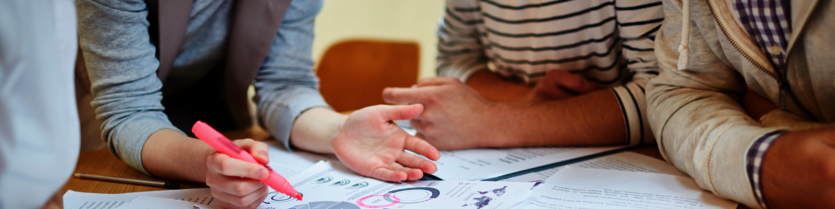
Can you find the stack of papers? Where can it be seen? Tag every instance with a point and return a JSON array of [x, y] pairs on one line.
[[575, 187], [184, 198], [622, 180], [331, 185], [481, 164]]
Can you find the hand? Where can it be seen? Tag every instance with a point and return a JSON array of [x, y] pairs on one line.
[[455, 116], [559, 84], [494, 88], [756, 105], [799, 170], [236, 183], [370, 144]]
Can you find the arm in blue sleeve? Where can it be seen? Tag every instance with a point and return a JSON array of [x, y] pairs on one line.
[[122, 67], [286, 85]]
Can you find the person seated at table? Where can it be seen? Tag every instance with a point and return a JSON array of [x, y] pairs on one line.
[[710, 53], [158, 67], [589, 62], [39, 136]]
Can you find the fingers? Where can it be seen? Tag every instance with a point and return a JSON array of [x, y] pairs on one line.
[[419, 127], [574, 83], [421, 147], [405, 95], [227, 166], [399, 112], [396, 172], [412, 161], [246, 200], [256, 148], [386, 174], [436, 81], [558, 84], [583, 85], [547, 92]]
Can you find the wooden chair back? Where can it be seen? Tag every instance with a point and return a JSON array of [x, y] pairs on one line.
[[354, 73]]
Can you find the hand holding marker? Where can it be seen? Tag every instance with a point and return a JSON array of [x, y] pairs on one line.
[[223, 145]]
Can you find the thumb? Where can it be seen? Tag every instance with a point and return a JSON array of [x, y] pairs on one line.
[[400, 112]]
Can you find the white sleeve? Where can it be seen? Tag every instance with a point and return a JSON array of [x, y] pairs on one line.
[[39, 131]]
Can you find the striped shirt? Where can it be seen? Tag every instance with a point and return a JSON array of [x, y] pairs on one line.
[[608, 42]]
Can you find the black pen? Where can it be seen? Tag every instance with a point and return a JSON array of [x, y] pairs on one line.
[[167, 185]]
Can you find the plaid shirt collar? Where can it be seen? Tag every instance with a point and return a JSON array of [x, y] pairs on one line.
[[768, 22]]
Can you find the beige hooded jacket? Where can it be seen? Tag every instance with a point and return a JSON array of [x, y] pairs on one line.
[[709, 62]]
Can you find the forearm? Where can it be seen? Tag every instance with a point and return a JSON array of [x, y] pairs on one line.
[[589, 119], [170, 154], [315, 128], [782, 118], [493, 88]]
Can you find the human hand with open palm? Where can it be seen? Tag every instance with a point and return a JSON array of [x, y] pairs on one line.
[[370, 144]]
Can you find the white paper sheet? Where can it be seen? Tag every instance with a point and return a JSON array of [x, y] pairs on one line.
[[574, 187], [478, 164], [289, 163], [80, 200], [145, 202], [330, 185], [624, 161]]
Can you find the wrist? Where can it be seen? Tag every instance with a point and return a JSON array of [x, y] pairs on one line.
[[502, 118], [336, 130]]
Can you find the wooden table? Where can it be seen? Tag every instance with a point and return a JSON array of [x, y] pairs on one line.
[[101, 162]]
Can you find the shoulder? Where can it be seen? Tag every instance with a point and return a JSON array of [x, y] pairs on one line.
[[303, 9]]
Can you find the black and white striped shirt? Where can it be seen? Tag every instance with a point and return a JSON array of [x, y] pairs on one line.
[[607, 41]]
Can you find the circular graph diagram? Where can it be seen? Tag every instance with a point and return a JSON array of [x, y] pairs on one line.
[[378, 201], [274, 196], [412, 195]]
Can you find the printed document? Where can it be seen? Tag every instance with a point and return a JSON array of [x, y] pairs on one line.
[[201, 198], [331, 185], [288, 163], [145, 202], [575, 187], [478, 164], [624, 161]]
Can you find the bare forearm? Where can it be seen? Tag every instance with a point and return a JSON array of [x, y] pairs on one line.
[[589, 119], [170, 154], [315, 129], [495, 89]]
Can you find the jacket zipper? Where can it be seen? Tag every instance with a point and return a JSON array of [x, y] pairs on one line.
[[782, 97]]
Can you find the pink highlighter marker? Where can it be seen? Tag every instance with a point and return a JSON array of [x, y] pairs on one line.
[[223, 145]]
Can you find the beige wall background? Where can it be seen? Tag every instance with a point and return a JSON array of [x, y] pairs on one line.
[[400, 20]]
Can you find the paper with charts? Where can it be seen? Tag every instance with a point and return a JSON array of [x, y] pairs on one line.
[[575, 187], [479, 164], [194, 198], [624, 161], [332, 186]]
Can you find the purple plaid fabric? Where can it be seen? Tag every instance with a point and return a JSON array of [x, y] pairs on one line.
[[767, 21], [754, 161]]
